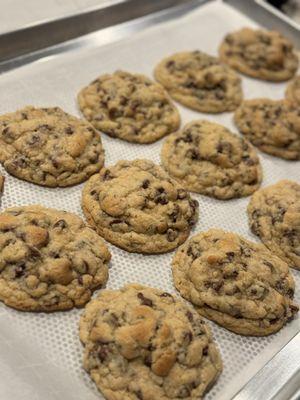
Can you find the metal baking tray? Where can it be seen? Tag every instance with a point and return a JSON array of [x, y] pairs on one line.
[[279, 379]]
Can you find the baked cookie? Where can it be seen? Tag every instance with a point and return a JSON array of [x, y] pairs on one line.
[[260, 54], [143, 343], [271, 125], [136, 205], [292, 92], [49, 147], [200, 81], [129, 106], [49, 259], [274, 216], [207, 158], [238, 284]]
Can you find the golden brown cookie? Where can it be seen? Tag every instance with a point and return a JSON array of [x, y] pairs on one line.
[[261, 54], [143, 343], [207, 158], [49, 259], [274, 216], [129, 106], [271, 125], [238, 284], [138, 207], [49, 147], [200, 81]]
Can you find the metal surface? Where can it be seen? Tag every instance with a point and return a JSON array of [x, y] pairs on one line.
[[279, 379], [100, 37], [269, 17]]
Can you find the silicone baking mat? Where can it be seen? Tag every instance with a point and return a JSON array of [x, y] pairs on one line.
[[40, 354]]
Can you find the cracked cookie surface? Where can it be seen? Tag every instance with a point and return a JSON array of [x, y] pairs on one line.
[[200, 81], [129, 106], [49, 259], [138, 207], [274, 216], [271, 125], [238, 284], [260, 54], [144, 344], [49, 147], [292, 92], [207, 158]]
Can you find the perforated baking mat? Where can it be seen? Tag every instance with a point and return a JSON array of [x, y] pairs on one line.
[[40, 354]]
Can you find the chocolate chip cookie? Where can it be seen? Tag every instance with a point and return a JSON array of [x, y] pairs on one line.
[[145, 344], [274, 216], [271, 125], [129, 106], [200, 81], [292, 92], [238, 284], [260, 54], [49, 259], [136, 205], [207, 158], [49, 147]]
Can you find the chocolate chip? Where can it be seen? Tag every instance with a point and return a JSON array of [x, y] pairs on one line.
[[20, 270], [174, 215], [145, 184], [144, 300], [60, 224], [69, 130], [189, 316], [184, 392], [193, 154], [20, 162], [230, 256], [245, 251], [34, 252], [205, 351], [103, 353], [54, 254], [217, 285], [248, 161], [148, 360], [139, 394], [170, 63], [290, 292], [8, 133], [94, 194], [279, 286], [161, 199], [194, 253], [107, 175], [270, 265], [80, 280], [188, 336], [34, 140], [172, 235]]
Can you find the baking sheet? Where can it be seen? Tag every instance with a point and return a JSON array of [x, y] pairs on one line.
[[40, 354], [16, 14]]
